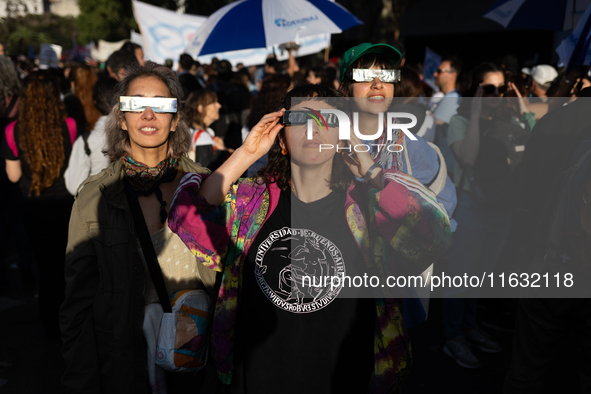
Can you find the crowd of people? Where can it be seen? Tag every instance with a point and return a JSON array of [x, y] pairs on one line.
[[234, 166]]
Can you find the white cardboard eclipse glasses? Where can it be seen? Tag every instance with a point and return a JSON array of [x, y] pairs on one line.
[[139, 104], [368, 75]]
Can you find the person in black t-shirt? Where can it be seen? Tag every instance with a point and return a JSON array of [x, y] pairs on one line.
[[301, 220]]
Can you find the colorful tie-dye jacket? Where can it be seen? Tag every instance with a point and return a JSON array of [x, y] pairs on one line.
[[407, 230]]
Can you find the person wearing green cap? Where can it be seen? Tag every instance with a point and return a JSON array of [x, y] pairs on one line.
[[368, 71]]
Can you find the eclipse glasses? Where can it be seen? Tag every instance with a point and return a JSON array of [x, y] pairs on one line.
[[368, 75], [296, 118], [139, 104]]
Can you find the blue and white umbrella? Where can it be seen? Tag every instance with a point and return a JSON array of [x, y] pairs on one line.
[[249, 24], [559, 15]]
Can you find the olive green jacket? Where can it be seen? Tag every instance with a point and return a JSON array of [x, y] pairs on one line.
[[102, 316]]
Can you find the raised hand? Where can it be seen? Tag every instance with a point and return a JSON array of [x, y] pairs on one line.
[[259, 141], [263, 134]]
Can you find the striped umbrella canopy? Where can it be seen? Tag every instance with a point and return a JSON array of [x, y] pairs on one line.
[[248, 24]]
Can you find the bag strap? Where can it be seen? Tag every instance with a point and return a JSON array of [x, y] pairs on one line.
[[11, 105], [85, 136], [10, 138], [149, 252], [438, 182], [408, 167], [196, 136]]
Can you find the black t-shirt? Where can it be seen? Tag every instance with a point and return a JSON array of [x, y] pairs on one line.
[[58, 189], [293, 337]]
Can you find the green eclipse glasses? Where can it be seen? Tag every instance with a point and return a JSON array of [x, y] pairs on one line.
[[139, 104], [295, 118], [368, 75]]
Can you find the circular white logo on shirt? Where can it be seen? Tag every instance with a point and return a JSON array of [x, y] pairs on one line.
[[294, 268]]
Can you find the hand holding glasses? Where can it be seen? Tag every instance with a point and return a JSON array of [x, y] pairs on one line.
[[296, 118]]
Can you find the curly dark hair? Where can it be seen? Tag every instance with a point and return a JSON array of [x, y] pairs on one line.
[[41, 122], [272, 91], [117, 144], [278, 168]]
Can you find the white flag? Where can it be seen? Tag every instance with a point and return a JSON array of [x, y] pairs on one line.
[[165, 33]]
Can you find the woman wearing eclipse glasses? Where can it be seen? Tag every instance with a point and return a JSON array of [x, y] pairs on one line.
[[368, 76], [108, 284], [486, 121], [304, 215]]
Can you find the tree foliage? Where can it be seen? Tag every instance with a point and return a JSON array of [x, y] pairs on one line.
[[20, 32], [109, 20]]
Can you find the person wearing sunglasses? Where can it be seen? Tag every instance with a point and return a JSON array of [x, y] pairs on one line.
[[304, 214], [485, 176], [446, 78], [368, 75], [108, 284]]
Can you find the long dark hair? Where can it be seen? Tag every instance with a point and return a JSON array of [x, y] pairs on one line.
[[84, 77], [278, 168], [475, 78], [41, 119]]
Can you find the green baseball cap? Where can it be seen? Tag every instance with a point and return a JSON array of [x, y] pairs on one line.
[[362, 49]]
